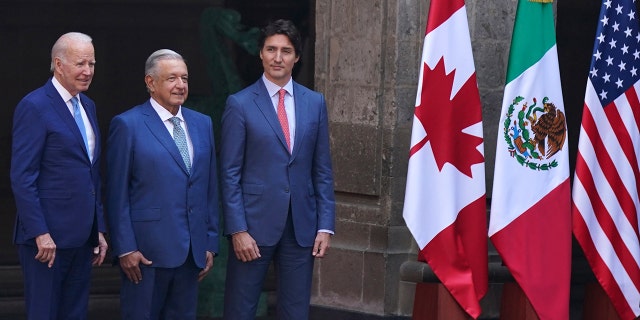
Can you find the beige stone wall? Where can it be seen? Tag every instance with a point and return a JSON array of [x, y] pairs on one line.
[[367, 60]]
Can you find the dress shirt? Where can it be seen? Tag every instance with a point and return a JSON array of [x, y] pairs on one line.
[[289, 104], [66, 97], [165, 115]]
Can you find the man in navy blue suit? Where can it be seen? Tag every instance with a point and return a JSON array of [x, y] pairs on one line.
[[56, 184], [277, 182], [162, 196]]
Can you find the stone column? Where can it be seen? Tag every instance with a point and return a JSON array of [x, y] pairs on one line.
[[367, 56]]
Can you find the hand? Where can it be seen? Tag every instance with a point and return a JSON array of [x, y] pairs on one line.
[[130, 265], [321, 245], [100, 251], [46, 249], [203, 273], [245, 246]]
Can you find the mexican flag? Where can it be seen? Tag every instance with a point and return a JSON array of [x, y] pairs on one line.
[[530, 222]]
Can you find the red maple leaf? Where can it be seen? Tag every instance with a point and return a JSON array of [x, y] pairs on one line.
[[444, 119]]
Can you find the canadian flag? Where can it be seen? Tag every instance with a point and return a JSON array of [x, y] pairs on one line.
[[445, 206]]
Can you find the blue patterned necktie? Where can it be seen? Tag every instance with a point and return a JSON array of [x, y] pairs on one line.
[[77, 115], [181, 141]]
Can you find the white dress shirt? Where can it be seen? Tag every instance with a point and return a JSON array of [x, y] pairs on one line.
[[165, 115], [289, 104], [66, 97]]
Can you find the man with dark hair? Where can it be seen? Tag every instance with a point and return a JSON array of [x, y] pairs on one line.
[[162, 196], [56, 183], [277, 182]]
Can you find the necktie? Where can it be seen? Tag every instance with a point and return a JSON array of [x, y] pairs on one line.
[[181, 141], [282, 117], [77, 115]]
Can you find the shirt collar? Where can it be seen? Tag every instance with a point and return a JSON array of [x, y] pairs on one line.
[[273, 88], [66, 96], [164, 113]]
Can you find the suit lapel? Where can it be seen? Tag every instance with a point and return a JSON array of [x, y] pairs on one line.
[[263, 101], [60, 106], [160, 132], [302, 117]]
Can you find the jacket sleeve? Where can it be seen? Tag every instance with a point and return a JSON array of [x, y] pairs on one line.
[[213, 230], [233, 142], [29, 137], [322, 173], [119, 165]]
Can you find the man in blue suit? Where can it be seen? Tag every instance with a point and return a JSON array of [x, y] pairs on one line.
[[277, 182], [56, 184], [162, 196]]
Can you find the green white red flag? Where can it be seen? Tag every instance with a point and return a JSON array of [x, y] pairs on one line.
[[530, 222]]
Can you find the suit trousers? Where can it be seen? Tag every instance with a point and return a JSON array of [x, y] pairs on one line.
[[59, 292], [163, 293], [294, 272]]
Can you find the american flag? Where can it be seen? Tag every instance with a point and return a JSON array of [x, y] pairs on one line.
[[607, 178]]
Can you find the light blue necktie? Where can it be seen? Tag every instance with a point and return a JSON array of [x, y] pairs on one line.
[[77, 115], [181, 141]]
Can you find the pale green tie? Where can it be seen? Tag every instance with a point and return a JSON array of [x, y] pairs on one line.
[[181, 141]]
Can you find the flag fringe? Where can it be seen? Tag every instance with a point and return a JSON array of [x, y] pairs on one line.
[[542, 1]]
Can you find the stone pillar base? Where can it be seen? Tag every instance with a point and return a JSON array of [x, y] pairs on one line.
[[514, 303], [434, 302]]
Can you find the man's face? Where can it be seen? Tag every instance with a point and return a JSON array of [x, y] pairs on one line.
[[75, 70], [278, 58], [169, 87]]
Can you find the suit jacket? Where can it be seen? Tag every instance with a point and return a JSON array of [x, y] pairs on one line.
[[260, 178], [153, 204], [56, 187]]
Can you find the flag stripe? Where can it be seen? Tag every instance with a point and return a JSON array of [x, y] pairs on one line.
[[619, 174], [609, 167], [609, 174], [535, 251], [601, 268], [606, 223], [624, 124], [441, 11], [635, 110], [457, 267], [524, 53]]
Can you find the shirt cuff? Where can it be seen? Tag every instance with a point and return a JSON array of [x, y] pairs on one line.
[[126, 254]]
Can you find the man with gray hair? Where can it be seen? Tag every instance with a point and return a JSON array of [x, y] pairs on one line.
[[56, 184], [162, 196]]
